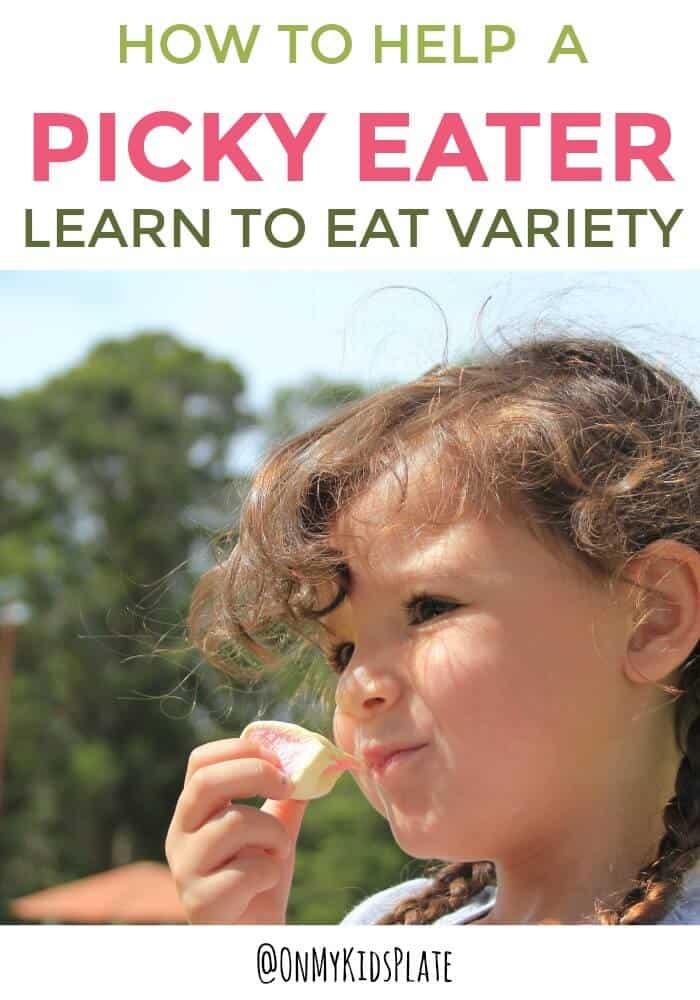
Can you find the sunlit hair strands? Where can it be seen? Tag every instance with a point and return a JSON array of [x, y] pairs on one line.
[[599, 453]]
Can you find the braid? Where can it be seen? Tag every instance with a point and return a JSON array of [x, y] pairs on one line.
[[453, 886], [658, 884]]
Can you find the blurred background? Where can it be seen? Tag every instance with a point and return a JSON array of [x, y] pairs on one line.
[[133, 408]]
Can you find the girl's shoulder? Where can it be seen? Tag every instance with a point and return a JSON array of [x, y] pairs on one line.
[[372, 909], [687, 907]]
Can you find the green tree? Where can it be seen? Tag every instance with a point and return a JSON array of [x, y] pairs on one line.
[[112, 474]]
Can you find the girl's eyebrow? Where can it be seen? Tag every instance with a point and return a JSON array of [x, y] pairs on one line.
[[346, 581], [410, 574]]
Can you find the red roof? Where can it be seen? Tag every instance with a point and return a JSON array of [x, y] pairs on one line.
[[139, 893]]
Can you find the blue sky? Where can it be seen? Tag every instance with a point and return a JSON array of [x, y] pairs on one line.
[[281, 326]]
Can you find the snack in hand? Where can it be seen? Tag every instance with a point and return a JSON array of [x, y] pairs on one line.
[[311, 762]]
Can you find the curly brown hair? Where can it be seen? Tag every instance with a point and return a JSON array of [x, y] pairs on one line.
[[597, 449]]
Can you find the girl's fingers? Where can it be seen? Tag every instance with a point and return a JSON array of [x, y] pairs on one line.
[[210, 788], [223, 838], [225, 896], [220, 750], [289, 812]]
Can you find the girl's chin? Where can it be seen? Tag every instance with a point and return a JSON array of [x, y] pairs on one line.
[[418, 833], [415, 836], [420, 848]]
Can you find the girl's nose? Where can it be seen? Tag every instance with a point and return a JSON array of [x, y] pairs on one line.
[[363, 691]]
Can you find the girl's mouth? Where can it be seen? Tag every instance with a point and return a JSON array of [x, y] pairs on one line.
[[384, 761]]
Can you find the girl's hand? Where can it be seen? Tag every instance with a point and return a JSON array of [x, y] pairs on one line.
[[232, 863]]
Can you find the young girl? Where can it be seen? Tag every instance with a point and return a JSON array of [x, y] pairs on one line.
[[501, 562]]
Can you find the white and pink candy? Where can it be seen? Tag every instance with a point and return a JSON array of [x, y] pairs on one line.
[[311, 762]]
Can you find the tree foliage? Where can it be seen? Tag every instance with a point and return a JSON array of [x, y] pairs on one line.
[[112, 474]]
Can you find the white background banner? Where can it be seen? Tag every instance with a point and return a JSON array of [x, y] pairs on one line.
[[454, 175], [234, 962]]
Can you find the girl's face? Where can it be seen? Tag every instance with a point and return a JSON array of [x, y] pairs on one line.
[[493, 667]]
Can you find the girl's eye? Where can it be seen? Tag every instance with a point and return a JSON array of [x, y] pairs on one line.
[[340, 655], [422, 608]]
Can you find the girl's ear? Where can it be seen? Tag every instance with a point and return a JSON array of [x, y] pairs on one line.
[[669, 628]]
